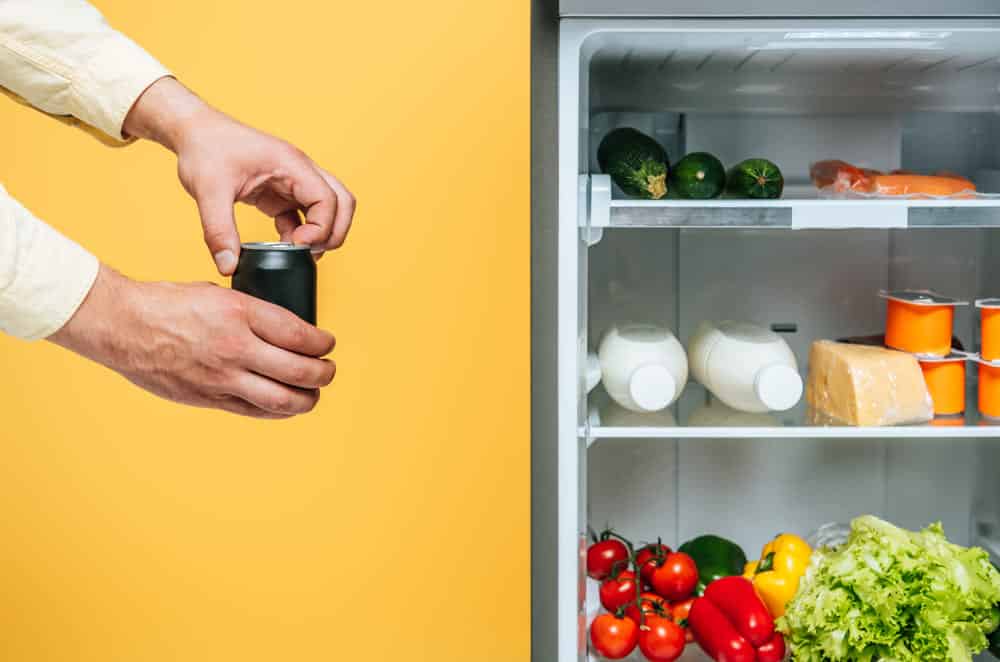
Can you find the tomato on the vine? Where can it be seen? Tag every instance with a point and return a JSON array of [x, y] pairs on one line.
[[676, 578], [605, 556], [661, 640], [618, 590], [646, 559], [614, 637], [680, 611], [648, 600]]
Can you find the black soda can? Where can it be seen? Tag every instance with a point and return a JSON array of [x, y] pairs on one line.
[[282, 273]]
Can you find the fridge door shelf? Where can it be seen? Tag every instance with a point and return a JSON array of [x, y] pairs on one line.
[[801, 208]]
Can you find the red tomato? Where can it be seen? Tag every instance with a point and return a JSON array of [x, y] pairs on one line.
[[661, 640], [676, 578], [645, 560], [613, 637], [604, 556], [618, 591], [633, 612], [679, 611]]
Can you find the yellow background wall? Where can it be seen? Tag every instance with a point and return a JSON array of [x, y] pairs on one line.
[[391, 523]]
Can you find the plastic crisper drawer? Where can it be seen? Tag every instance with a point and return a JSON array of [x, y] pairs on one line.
[[778, 8]]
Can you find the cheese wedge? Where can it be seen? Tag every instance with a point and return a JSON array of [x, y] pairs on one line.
[[863, 385]]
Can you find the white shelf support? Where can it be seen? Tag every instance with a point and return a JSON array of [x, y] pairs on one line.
[[593, 421], [593, 374], [592, 236], [595, 207], [600, 201]]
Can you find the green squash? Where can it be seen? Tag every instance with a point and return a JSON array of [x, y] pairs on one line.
[[755, 178], [636, 163], [699, 176]]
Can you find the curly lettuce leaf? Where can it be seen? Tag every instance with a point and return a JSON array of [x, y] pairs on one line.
[[893, 595]]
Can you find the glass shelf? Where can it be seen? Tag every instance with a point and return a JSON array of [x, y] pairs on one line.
[[969, 426], [803, 214], [799, 208], [697, 416]]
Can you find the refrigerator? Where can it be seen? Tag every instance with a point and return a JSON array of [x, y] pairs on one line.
[[912, 86]]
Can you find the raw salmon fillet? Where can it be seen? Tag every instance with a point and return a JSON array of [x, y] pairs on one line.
[[841, 176]]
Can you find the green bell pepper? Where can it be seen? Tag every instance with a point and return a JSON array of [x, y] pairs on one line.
[[715, 557]]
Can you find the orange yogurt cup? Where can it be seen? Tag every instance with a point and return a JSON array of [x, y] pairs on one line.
[[989, 388], [919, 322], [989, 320], [945, 378]]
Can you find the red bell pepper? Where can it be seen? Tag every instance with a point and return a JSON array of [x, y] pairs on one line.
[[732, 624]]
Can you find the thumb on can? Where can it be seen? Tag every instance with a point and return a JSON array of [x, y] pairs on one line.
[[221, 236]]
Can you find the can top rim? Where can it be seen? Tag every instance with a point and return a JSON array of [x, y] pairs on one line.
[[273, 246]]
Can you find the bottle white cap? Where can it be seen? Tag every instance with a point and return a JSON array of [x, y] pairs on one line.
[[779, 387], [652, 387]]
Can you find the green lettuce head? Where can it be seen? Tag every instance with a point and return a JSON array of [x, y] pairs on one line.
[[893, 595]]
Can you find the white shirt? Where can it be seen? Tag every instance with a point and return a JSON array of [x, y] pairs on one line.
[[63, 58]]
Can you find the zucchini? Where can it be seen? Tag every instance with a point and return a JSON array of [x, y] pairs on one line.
[[698, 175], [755, 178], [636, 163]]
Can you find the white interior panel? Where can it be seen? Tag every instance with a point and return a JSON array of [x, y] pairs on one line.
[[929, 480], [825, 282], [964, 142], [633, 489], [633, 278], [751, 491], [796, 70]]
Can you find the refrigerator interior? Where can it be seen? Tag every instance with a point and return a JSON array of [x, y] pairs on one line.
[[810, 284], [886, 96]]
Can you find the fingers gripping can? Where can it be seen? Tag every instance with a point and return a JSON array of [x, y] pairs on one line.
[[282, 273]]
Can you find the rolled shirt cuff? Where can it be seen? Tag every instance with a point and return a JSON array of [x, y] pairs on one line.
[[110, 83], [44, 276]]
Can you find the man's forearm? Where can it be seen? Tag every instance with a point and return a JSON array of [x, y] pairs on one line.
[[164, 112], [91, 329]]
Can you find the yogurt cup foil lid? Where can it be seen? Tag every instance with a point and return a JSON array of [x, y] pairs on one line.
[[956, 355], [979, 359], [921, 298]]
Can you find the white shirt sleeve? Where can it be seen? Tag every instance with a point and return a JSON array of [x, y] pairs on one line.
[[44, 276], [63, 58]]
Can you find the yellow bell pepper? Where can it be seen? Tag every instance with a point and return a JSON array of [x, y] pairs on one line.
[[776, 575]]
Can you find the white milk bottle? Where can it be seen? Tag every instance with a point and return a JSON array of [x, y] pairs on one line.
[[747, 367], [642, 366]]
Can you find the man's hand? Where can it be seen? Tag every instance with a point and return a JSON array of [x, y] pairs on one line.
[[202, 345], [221, 162]]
